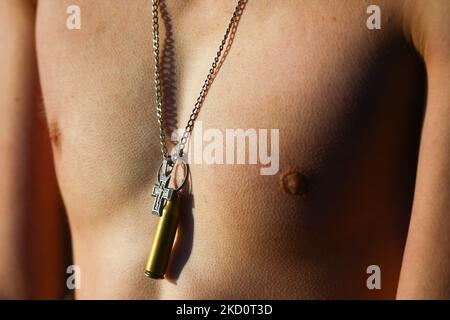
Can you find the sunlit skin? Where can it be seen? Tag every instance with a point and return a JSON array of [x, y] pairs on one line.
[[364, 149]]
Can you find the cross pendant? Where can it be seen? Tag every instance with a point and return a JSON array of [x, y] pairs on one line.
[[161, 191], [162, 194]]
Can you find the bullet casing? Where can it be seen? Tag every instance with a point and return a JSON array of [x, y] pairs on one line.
[[164, 237]]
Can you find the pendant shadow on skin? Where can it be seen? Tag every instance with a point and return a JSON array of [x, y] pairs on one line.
[[168, 65], [184, 237], [182, 247], [168, 72]]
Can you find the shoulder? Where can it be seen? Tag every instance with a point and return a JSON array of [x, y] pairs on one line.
[[428, 27], [19, 8], [17, 20]]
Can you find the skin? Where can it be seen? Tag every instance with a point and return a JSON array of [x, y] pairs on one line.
[[349, 104], [426, 265], [32, 240]]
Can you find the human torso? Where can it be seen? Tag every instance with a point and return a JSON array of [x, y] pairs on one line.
[[346, 101]]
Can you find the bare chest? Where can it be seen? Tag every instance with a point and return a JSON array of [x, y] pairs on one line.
[[303, 85], [308, 88]]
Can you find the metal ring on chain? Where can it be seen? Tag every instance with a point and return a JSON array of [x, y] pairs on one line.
[[172, 165]]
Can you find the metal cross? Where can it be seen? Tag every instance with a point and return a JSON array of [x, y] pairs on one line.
[[162, 192]]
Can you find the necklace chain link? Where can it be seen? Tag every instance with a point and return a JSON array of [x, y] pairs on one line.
[[179, 152]]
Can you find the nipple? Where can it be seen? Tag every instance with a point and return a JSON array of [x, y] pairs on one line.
[[294, 183], [55, 134]]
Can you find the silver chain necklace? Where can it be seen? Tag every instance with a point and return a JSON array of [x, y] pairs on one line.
[[167, 200]]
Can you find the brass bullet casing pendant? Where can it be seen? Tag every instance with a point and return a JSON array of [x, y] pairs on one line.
[[165, 235], [167, 207]]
